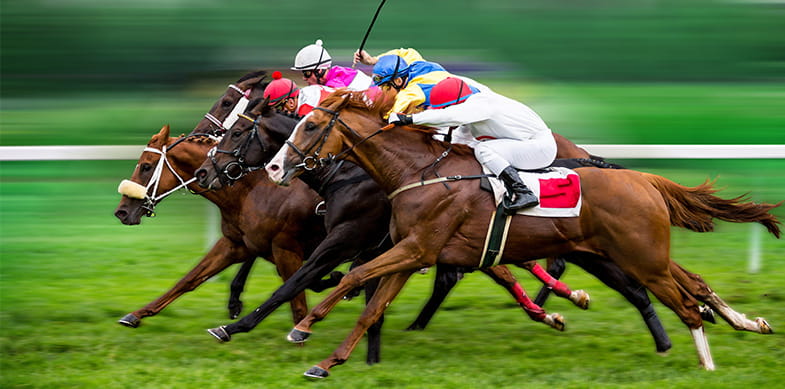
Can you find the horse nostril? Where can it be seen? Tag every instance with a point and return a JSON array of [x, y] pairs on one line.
[[273, 167], [201, 173], [121, 214]]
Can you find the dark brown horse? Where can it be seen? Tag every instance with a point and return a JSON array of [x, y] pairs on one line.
[[625, 218], [257, 218]]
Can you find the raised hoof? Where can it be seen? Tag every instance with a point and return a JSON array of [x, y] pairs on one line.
[[554, 320], [297, 336], [130, 320], [580, 298], [220, 334], [707, 314], [316, 372], [764, 326]]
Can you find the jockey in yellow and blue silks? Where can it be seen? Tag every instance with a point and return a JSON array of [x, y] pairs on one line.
[[408, 73]]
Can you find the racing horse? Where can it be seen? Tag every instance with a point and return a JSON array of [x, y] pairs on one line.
[[236, 97], [262, 131], [625, 218], [257, 218]]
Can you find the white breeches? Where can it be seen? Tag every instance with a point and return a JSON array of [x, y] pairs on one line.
[[535, 153]]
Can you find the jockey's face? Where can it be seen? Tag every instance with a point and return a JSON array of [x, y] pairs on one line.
[[291, 104], [314, 77], [395, 84]]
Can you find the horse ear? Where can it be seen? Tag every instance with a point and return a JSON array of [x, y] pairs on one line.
[[164, 133], [266, 109]]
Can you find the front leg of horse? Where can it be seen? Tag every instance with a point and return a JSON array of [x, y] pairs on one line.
[[222, 255], [445, 280], [388, 289], [404, 256], [325, 258], [502, 276], [236, 289]]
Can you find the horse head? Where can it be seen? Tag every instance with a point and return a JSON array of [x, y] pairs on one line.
[[235, 99], [247, 145], [161, 170], [342, 120]]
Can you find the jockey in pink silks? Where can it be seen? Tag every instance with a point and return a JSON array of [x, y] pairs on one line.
[[316, 64]]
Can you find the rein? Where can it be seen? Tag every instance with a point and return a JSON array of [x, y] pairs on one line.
[[435, 181]]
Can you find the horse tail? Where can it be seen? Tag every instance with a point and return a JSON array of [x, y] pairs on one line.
[[694, 208]]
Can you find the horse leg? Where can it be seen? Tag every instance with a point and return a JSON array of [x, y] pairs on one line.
[[555, 269], [223, 254], [374, 332], [389, 287], [502, 276], [287, 262], [402, 257], [611, 275], [695, 285], [236, 288], [446, 278], [330, 253], [578, 297]]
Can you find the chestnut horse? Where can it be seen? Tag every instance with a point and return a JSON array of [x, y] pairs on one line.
[[625, 218], [257, 218], [249, 86], [261, 132]]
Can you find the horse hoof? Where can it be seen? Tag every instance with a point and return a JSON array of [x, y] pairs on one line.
[[580, 298], [235, 309], [707, 314], [297, 336], [554, 320], [220, 334], [130, 320], [316, 372], [764, 326]]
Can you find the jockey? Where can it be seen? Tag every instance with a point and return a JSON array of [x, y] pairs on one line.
[[512, 136], [408, 73], [315, 63], [283, 94]]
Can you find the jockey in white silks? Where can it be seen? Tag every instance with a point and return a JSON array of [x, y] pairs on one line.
[[511, 135]]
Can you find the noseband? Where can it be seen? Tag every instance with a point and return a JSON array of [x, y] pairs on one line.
[[239, 153]]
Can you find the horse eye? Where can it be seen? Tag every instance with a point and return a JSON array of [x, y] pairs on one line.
[[310, 126], [146, 167], [236, 134], [226, 103]]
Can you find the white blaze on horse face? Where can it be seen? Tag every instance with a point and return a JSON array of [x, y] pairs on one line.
[[276, 168]]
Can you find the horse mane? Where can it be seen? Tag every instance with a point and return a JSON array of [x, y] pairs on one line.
[[253, 74]]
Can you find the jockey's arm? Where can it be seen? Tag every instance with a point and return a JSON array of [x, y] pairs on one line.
[[474, 109]]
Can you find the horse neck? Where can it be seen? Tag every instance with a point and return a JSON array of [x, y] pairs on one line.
[[398, 157], [277, 129]]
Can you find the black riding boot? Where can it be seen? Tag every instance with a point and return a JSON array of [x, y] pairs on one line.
[[518, 194]]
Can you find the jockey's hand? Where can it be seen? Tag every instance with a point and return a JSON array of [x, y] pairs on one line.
[[364, 58], [400, 119]]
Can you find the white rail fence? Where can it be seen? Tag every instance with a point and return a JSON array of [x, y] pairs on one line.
[[65, 153]]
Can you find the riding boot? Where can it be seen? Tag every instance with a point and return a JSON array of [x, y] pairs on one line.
[[518, 194]]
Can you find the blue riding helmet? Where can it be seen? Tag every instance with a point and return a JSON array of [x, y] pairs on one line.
[[388, 68]]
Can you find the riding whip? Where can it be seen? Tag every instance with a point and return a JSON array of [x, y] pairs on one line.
[[370, 27]]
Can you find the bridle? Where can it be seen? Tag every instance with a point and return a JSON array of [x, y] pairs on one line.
[[151, 198], [240, 164], [231, 118], [312, 161]]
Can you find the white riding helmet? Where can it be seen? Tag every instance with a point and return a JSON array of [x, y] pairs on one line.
[[312, 57]]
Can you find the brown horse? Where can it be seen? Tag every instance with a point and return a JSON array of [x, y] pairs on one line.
[[257, 218], [625, 218]]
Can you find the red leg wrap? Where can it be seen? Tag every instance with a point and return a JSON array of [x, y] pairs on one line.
[[533, 310], [561, 289]]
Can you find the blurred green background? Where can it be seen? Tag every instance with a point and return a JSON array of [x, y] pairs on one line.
[[599, 71], [103, 72]]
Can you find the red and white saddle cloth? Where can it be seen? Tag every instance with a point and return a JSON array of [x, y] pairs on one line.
[[559, 191]]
